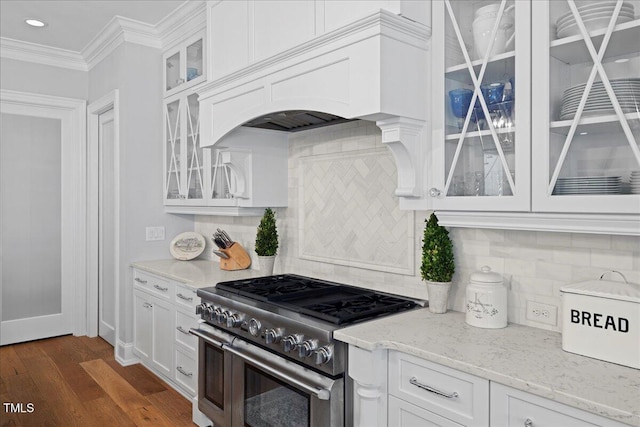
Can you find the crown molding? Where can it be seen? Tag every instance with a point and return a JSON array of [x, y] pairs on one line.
[[40, 54], [187, 19], [116, 32]]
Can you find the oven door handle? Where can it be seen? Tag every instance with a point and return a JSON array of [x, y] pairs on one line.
[[207, 337], [320, 393]]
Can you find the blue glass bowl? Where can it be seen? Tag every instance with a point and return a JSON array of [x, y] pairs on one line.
[[492, 92], [460, 100]]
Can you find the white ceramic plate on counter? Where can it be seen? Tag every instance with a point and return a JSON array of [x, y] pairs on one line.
[[187, 246]]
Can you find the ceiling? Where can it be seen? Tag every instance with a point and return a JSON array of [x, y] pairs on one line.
[[72, 24]]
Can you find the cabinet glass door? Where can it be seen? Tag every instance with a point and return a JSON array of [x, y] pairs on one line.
[[172, 71], [195, 166], [172, 150], [589, 158], [221, 181], [482, 129], [194, 60]]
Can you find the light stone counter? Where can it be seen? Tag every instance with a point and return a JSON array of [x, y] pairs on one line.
[[521, 357], [195, 273]]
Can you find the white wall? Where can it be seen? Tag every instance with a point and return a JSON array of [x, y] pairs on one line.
[[535, 264], [136, 71], [43, 79]]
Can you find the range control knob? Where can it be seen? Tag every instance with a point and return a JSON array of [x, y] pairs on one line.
[[217, 311], [324, 354], [306, 348], [290, 342], [207, 311], [272, 335], [200, 308], [234, 320], [221, 317], [254, 327]]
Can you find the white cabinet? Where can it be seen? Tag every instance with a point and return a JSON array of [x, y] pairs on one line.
[[511, 407], [163, 313], [586, 99], [481, 106], [444, 395], [152, 318], [244, 174], [184, 159], [184, 65], [405, 414]]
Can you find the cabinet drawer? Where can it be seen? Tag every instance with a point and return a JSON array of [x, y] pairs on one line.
[[153, 284], [184, 322], [186, 372], [405, 414], [511, 407], [460, 397], [186, 297]]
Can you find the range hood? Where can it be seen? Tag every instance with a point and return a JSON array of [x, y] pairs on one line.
[[373, 69], [295, 121]]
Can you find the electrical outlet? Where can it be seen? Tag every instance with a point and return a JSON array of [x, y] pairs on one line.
[[542, 313], [155, 233]]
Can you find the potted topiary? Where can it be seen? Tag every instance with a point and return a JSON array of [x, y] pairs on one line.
[[437, 264], [267, 242]]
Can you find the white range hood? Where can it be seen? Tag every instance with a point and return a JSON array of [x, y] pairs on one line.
[[374, 69]]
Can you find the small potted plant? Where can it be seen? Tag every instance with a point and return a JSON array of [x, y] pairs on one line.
[[437, 266], [267, 242]]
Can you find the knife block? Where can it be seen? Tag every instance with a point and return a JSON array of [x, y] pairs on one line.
[[238, 259]]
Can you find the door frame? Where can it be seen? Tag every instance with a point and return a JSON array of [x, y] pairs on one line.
[[72, 114], [106, 103]]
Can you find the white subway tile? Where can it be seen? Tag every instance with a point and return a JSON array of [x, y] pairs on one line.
[[611, 260], [591, 241]]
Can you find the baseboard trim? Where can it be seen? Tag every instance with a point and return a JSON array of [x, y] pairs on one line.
[[124, 354]]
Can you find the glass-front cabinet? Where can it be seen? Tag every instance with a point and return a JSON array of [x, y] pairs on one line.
[[481, 105], [586, 106], [184, 65], [183, 157]]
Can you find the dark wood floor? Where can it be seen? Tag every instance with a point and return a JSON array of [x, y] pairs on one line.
[[75, 381]]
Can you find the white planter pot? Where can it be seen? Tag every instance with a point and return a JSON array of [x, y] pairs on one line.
[[438, 296], [266, 264]]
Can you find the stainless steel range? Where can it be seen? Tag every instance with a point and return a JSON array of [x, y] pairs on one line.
[[267, 356]]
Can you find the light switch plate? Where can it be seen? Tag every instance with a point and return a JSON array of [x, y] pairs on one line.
[[155, 233]]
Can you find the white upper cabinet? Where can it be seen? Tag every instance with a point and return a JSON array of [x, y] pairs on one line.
[[586, 98], [183, 157], [184, 65], [243, 32], [481, 105]]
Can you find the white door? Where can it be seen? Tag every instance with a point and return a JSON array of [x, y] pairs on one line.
[[37, 276], [106, 229]]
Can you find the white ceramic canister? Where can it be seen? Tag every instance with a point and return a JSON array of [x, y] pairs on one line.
[[486, 300]]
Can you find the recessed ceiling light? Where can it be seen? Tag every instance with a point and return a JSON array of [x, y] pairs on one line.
[[621, 60], [584, 133], [35, 23]]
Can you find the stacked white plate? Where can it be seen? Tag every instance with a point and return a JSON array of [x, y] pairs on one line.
[[627, 92], [588, 185], [634, 182], [595, 15]]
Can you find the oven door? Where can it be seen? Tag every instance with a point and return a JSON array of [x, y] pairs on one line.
[[269, 390], [214, 374], [266, 389]]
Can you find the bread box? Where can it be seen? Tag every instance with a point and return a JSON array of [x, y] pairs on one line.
[[601, 319]]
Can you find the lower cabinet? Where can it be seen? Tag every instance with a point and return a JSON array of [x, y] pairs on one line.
[[161, 336], [414, 392], [511, 407], [152, 318]]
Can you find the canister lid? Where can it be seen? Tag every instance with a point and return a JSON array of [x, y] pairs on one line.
[[485, 275], [605, 289]]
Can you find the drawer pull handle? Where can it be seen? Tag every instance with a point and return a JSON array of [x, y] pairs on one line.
[[185, 298], [147, 305], [183, 372], [528, 422], [139, 280], [414, 381], [183, 330], [160, 288]]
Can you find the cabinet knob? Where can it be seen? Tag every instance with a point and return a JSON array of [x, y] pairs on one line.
[[528, 422], [434, 192]]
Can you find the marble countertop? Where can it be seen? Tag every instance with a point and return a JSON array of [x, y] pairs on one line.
[[195, 273], [521, 357]]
